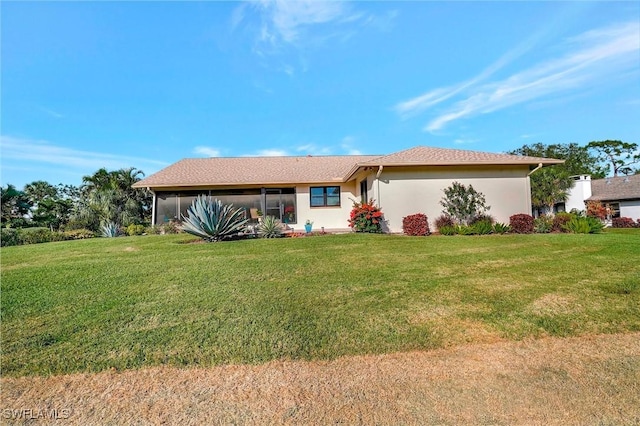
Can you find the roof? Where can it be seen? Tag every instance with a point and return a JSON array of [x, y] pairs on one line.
[[615, 188], [219, 171], [253, 171]]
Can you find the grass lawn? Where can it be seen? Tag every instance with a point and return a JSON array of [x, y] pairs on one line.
[[92, 305]]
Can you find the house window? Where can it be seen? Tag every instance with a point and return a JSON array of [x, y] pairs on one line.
[[363, 191], [325, 196], [614, 209]]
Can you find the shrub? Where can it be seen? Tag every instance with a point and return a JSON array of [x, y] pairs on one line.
[[135, 230], [416, 225], [482, 227], [78, 234], [465, 230], [444, 220], [623, 222], [110, 230], [366, 217], [596, 209], [211, 220], [38, 235], [501, 228], [561, 219], [448, 230], [270, 228], [171, 227], [543, 224], [9, 237], [521, 223], [483, 218], [584, 225], [462, 203]]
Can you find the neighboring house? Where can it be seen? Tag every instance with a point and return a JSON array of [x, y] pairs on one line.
[[322, 188], [620, 193]]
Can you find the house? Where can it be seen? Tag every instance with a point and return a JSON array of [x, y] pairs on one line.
[[322, 188], [620, 193]]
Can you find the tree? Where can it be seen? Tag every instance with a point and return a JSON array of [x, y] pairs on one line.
[[620, 155], [577, 159], [15, 207], [549, 186], [463, 204], [108, 197]]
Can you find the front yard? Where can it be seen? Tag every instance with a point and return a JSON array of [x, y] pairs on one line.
[[123, 303]]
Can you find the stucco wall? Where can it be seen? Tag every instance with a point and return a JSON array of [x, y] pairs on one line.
[[630, 209], [332, 218], [404, 191]]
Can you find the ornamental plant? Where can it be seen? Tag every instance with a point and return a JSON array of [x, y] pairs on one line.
[[521, 223], [416, 225], [596, 209], [366, 217], [463, 203], [211, 220]]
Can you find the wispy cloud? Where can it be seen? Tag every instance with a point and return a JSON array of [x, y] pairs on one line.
[[347, 146], [27, 152], [313, 149], [206, 151], [287, 28], [51, 112], [598, 55]]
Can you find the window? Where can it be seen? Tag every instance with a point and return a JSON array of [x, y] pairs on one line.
[[363, 191], [325, 196]]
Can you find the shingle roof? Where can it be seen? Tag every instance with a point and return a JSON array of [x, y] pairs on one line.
[[423, 155], [311, 169], [253, 170], [616, 188]]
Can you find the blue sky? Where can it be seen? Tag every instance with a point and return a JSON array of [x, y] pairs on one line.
[[144, 84]]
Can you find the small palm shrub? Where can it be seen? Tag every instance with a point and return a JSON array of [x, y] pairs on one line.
[[416, 225], [366, 217], [482, 227], [584, 225], [110, 230], [561, 219], [501, 228], [448, 230], [521, 223], [270, 228], [543, 224], [211, 220]]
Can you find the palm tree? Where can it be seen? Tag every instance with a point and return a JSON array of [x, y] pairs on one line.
[[549, 187]]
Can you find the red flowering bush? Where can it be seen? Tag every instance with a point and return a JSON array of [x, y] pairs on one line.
[[416, 225], [623, 222], [366, 217], [444, 220], [596, 209], [521, 223]]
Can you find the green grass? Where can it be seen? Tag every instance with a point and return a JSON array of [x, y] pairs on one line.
[[91, 305]]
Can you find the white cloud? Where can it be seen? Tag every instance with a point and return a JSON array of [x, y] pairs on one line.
[[206, 151], [598, 55], [313, 149], [347, 146], [29, 152]]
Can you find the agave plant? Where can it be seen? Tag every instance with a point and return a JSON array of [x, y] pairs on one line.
[[110, 230], [211, 220], [270, 228]]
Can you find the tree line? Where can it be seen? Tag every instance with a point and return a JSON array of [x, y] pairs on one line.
[[104, 197], [551, 185]]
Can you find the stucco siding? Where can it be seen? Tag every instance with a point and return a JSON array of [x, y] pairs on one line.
[[630, 209], [331, 218], [402, 191]]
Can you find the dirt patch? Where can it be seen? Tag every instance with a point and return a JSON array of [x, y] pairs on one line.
[[586, 380], [131, 249]]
